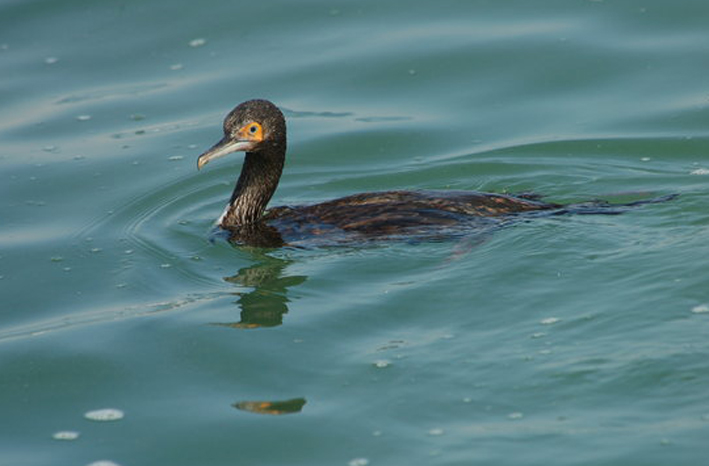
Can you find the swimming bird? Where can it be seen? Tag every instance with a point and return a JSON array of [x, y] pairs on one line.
[[258, 128]]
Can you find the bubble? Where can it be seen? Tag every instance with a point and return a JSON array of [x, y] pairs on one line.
[[65, 435], [358, 462], [700, 171], [104, 415]]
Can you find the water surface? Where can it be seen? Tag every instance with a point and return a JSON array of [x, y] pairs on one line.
[[565, 340]]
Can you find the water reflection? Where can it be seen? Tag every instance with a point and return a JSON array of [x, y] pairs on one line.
[[294, 405], [265, 305]]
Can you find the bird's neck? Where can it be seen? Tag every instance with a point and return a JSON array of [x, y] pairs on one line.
[[257, 183]]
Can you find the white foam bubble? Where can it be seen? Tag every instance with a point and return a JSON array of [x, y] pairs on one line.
[[358, 462], [103, 415], [65, 435]]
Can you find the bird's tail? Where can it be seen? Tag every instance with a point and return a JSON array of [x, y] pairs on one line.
[[601, 207]]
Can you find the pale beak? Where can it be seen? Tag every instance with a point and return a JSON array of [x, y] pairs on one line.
[[222, 148]]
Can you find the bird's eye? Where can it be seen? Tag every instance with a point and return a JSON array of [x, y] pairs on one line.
[[251, 130]]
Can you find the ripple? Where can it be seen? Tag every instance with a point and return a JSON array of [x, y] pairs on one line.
[[309, 114], [113, 314], [110, 92], [168, 224]]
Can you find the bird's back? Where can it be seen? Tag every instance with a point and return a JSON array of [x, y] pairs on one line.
[[398, 213]]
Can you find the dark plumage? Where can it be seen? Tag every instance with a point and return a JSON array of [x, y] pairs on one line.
[[258, 128]]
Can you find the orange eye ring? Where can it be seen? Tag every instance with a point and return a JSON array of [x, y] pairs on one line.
[[251, 131]]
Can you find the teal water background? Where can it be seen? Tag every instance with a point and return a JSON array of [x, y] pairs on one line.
[[558, 341]]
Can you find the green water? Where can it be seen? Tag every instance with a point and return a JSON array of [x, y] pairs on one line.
[[557, 341]]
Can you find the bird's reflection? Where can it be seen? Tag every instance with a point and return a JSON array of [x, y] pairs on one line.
[[267, 302], [272, 407]]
